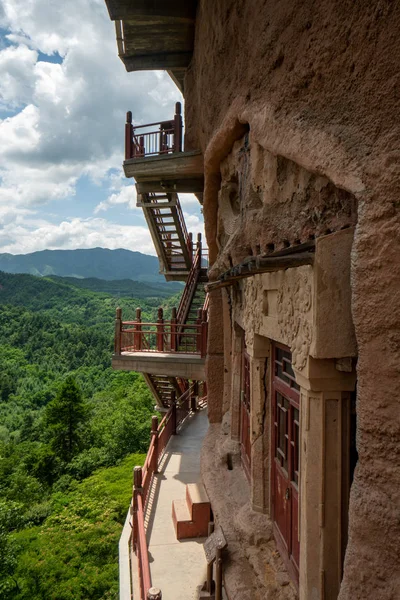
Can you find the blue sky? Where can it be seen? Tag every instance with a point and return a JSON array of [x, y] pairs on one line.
[[63, 98]]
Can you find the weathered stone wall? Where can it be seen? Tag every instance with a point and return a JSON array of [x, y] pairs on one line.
[[317, 85]]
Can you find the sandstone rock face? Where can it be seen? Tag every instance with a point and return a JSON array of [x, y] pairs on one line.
[[296, 108]]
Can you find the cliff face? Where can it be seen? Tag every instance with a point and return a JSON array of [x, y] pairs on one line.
[[317, 85]]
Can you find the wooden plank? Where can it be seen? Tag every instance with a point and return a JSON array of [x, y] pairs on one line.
[[190, 185], [156, 240], [161, 61], [259, 265], [122, 9], [179, 166], [153, 389], [215, 541]]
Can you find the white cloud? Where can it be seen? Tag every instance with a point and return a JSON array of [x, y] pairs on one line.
[[127, 196], [71, 115], [29, 235], [17, 75], [66, 122]]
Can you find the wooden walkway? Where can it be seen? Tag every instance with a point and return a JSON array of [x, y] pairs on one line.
[[177, 568]]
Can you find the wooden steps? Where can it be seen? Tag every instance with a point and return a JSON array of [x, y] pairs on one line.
[[161, 387], [168, 230], [192, 515]]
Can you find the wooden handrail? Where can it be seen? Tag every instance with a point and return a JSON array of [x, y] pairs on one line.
[[166, 139], [142, 550]]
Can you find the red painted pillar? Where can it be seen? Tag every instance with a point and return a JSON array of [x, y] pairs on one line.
[[137, 489], [173, 413], [118, 332], [128, 136], [137, 335], [174, 342], [178, 128], [160, 330]]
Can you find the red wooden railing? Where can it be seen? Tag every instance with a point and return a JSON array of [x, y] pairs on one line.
[[160, 436], [162, 336], [167, 138]]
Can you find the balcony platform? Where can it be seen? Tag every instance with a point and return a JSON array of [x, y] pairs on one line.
[[187, 366], [179, 172], [155, 35]]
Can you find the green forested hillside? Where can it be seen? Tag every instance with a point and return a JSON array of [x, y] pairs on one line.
[[123, 287], [64, 414], [93, 262]]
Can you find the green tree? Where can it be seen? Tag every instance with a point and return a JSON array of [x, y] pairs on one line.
[[65, 417]]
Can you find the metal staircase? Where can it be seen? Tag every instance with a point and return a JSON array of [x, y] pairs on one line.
[[173, 244]]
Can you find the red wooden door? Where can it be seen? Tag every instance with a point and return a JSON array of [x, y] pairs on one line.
[[285, 465], [245, 445]]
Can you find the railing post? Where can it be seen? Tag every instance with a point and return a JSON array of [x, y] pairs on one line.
[[210, 566], [160, 330], [204, 330], [154, 435], [190, 246], [128, 136], [178, 128], [174, 344], [142, 148], [199, 246], [194, 396], [173, 412], [137, 489], [137, 331], [218, 575], [199, 332], [118, 331], [154, 594]]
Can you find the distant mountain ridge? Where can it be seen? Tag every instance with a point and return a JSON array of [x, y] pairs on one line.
[[100, 263]]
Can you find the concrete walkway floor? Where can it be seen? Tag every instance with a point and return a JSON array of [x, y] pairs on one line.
[[178, 568]]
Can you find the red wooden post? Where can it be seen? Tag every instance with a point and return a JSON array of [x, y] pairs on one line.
[[128, 136], [199, 331], [173, 412], [160, 330], [174, 341], [137, 335], [141, 146], [190, 246], [154, 435], [199, 248], [118, 331], [204, 331], [178, 128], [194, 396]]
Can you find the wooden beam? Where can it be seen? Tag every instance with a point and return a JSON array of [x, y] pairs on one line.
[[129, 9], [157, 61], [257, 265], [180, 186]]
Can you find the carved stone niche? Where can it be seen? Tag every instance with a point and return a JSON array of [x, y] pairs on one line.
[[228, 210], [306, 308]]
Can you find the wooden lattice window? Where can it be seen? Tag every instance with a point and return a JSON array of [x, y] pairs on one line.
[[285, 475]]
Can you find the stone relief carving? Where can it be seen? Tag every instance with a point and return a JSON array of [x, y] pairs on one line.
[[294, 303]]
